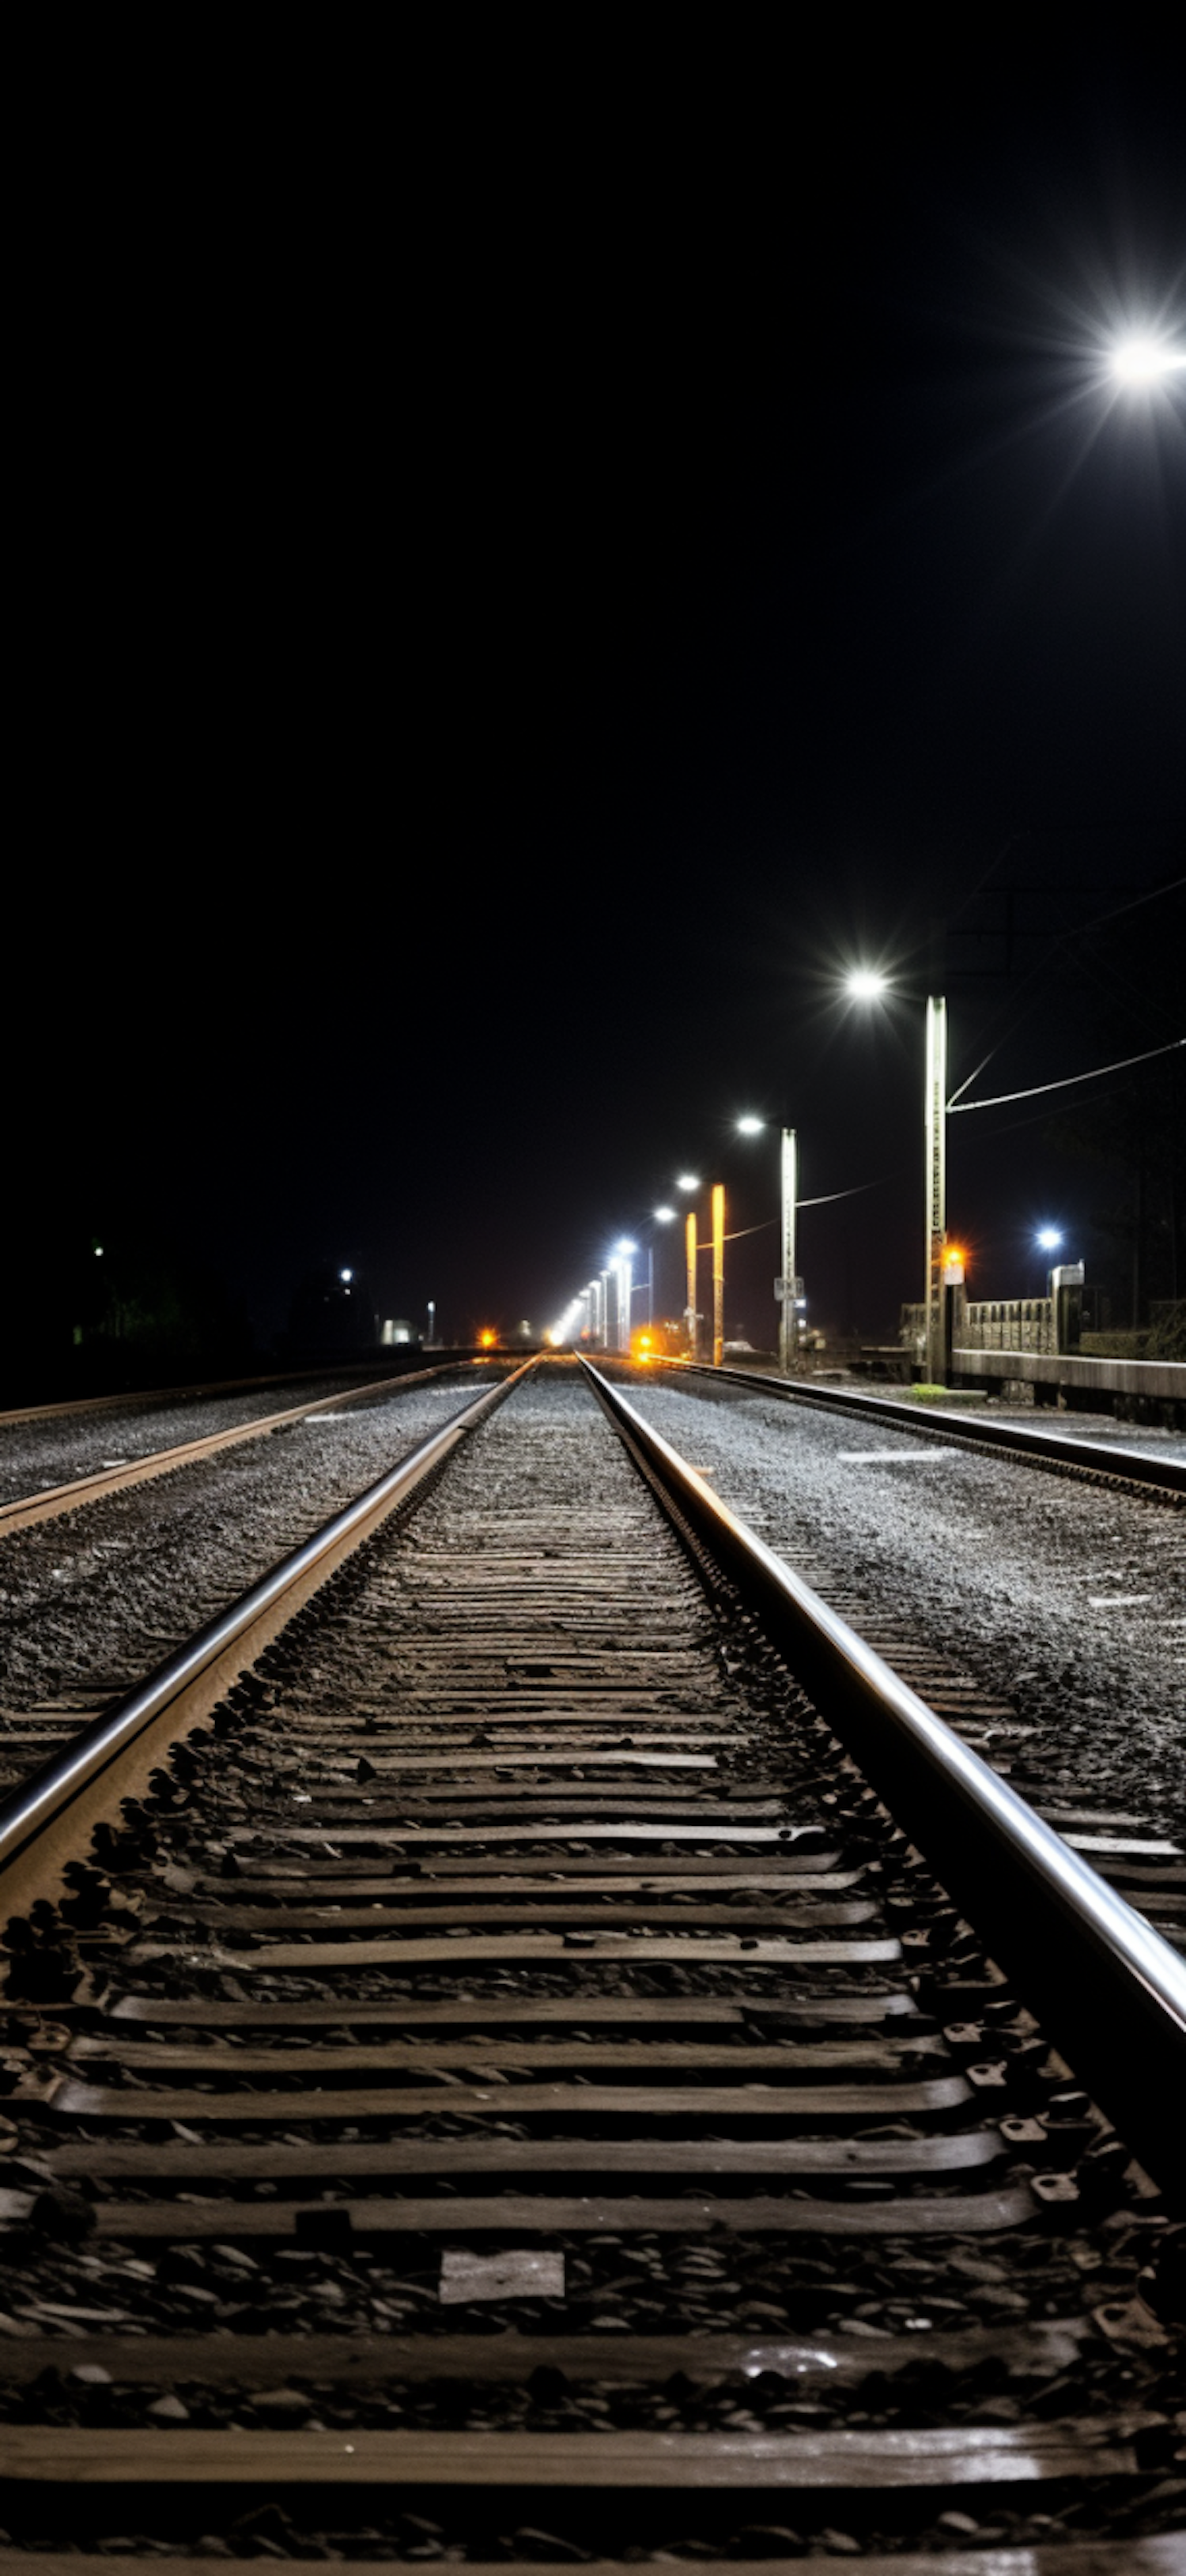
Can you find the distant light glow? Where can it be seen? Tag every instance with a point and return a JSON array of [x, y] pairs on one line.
[[347, 1275], [748, 1126], [98, 1252], [487, 1340], [1049, 1238], [665, 1216], [1145, 361], [688, 1181], [624, 1247], [865, 984]]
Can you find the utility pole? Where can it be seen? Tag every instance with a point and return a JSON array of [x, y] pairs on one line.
[[690, 1316], [935, 1148], [788, 1327], [718, 1273]]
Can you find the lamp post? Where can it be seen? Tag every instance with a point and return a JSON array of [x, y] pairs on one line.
[[663, 1216], [788, 1318], [935, 1147], [718, 1273], [690, 1181], [1048, 1239], [625, 1281], [866, 985], [687, 1182]]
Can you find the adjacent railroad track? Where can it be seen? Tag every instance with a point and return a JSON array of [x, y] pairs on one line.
[[525, 2040], [25, 1511], [1111, 1787], [1110, 1462]]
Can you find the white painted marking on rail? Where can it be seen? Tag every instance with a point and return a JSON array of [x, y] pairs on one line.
[[1117, 1600]]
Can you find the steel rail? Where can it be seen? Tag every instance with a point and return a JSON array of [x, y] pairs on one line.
[[1041, 1448], [39, 1801], [1106, 1988], [186, 1389], [25, 1511], [184, 1392]]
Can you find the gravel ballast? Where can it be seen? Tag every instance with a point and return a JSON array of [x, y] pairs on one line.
[[1065, 1596], [91, 1602], [58, 1448]]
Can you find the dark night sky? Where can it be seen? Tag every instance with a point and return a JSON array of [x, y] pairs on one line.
[[539, 568]]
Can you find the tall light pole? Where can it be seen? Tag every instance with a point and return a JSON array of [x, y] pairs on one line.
[[718, 1273], [1048, 1239], [691, 1316], [935, 1147], [788, 1319], [663, 1216], [625, 1278], [867, 985], [690, 1181]]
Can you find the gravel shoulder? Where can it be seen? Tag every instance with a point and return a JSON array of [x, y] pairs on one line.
[[91, 1602], [1067, 1597], [36, 1455]]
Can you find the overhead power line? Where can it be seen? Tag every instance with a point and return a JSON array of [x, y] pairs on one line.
[[1000, 1099]]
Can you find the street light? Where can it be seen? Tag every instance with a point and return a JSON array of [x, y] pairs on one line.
[[1143, 360], [662, 1216], [867, 985], [786, 1287], [1048, 1239], [622, 1253], [692, 1312]]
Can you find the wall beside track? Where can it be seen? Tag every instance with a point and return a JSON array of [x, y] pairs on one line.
[[1073, 1374]]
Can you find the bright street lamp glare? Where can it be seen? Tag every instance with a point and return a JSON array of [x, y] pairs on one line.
[[1144, 362], [625, 1246], [665, 1216], [1049, 1238], [687, 1181], [866, 985], [750, 1126]]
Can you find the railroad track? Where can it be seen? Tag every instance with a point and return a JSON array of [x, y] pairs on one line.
[[100, 1571], [26, 1511], [488, 2076], [1052, 1753], [1105, 1462]]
